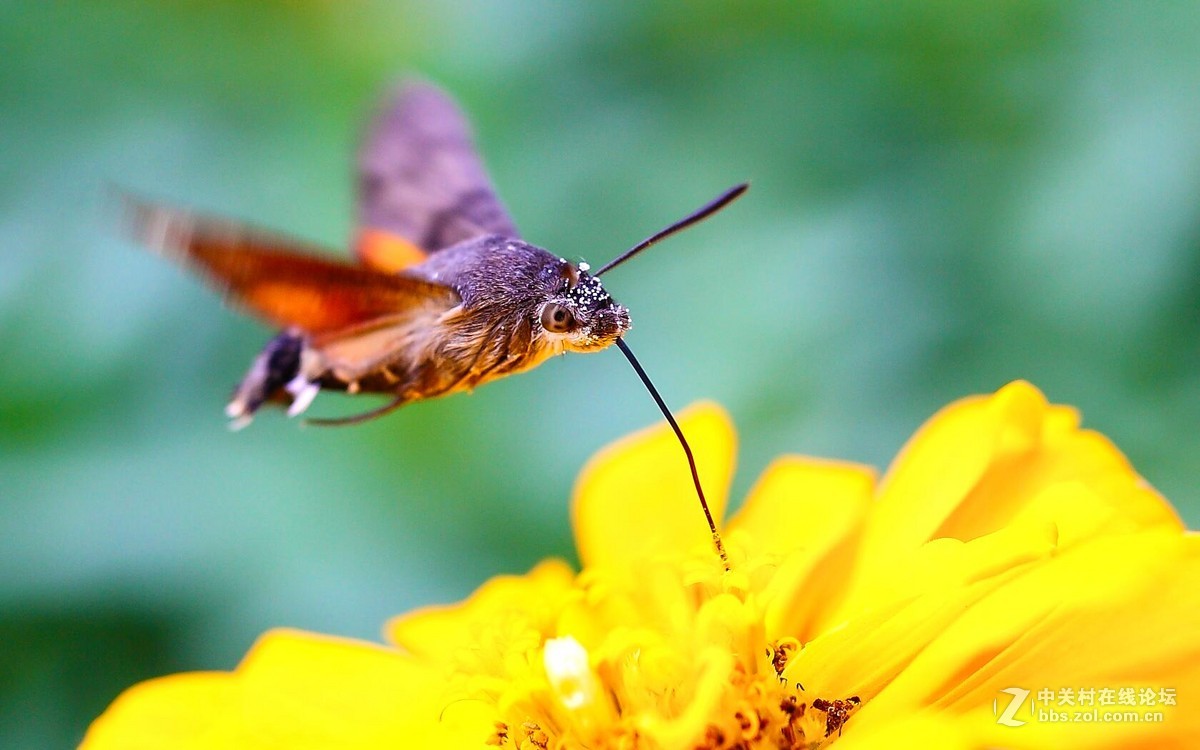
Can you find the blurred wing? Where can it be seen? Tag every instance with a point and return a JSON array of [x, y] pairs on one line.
[[422, 186], [275, 279]]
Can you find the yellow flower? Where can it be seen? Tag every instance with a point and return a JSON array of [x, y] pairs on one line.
[[1011, 582]]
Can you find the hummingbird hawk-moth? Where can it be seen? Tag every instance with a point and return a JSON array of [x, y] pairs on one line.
[[444, 295]]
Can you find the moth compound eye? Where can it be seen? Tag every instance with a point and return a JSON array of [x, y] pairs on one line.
[[557, 318]]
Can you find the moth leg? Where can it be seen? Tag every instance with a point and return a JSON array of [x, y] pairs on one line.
[[367, 416], [275, 374]]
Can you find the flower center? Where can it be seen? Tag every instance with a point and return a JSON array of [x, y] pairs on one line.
[[678, 659]]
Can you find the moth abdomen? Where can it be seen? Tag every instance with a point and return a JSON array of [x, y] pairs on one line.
[[275, 367]]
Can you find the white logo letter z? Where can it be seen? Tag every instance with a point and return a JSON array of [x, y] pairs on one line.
[[1018, 699]]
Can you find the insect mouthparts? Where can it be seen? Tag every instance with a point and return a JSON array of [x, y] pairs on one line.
[[683, 443]]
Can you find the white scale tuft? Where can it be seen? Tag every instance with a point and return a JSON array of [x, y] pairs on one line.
[[303, 393]]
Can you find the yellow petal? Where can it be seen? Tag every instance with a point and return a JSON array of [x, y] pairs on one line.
[[1061, 454], [804, 503], [306, 691], [944, 461], [889, 627], [809, 514], [635, 499], [184, 711], [984, 462], [504, 607], [1080, 510], [1110, 613], [926, 730]]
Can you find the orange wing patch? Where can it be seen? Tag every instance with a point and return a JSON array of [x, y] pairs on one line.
[[387, 252], [277, 279]]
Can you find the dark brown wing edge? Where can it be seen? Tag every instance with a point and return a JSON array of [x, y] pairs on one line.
[[420, 176]]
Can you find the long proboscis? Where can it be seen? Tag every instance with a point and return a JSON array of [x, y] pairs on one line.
[[687, 449], [705, 211]]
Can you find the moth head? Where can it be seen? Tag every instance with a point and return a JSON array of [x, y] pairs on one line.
[[578, 312]]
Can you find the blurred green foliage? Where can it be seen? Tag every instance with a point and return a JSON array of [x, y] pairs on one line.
[[947, 196]]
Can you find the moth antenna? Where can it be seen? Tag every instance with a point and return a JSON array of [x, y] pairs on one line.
[[705, 211], [687, 450], [366, 416]]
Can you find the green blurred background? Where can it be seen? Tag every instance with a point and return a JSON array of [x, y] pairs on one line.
[[947, 196]]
